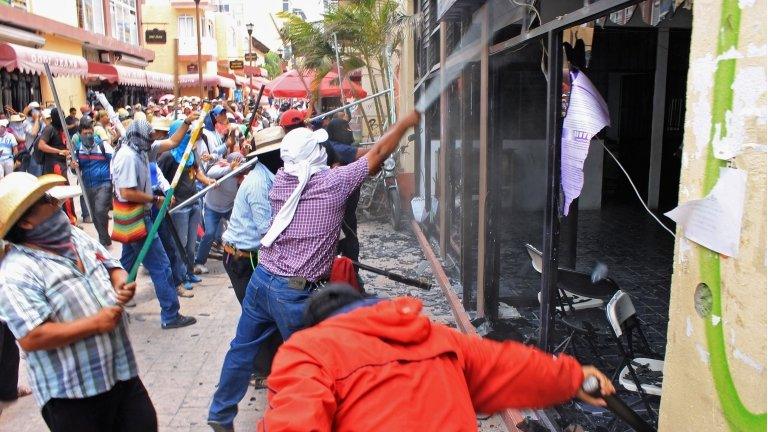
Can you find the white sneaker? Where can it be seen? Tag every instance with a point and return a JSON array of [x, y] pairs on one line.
[[200, 269]]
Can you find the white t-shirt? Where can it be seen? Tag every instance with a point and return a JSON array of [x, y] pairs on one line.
[[7, 143]]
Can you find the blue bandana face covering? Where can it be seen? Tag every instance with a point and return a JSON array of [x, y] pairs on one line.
[[54, 234]]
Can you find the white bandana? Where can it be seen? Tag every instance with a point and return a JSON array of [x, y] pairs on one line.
[[303, 157]]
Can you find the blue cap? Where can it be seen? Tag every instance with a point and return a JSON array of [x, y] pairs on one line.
[[218, 110]]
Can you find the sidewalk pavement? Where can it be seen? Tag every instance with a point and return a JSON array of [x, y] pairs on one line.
[[180, 368]]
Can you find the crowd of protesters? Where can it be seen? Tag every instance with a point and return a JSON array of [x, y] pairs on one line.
[[276, 227]]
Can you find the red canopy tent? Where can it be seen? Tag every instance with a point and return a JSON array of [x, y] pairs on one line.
[[329, 87], [289, 85]]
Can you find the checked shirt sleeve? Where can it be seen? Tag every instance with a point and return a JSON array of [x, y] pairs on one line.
[[348, 178], [23, 304]]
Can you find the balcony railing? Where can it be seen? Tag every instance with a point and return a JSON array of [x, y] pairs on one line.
[[188, 46]]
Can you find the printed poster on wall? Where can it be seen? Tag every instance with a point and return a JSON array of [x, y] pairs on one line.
[[587, 115]]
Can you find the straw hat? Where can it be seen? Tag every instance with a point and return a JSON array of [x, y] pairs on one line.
[[161, 123], [267, 140], [19, 190], [17, 118]]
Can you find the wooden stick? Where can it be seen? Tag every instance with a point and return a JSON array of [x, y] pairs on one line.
[[169, 195]]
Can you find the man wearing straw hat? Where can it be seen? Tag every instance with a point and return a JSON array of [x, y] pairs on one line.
[[296, 253], [60, 295]]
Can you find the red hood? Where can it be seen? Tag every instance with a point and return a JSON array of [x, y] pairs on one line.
[[398, 320]]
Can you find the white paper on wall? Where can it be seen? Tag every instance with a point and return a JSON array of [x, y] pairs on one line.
[[715, 220], [587, 115]]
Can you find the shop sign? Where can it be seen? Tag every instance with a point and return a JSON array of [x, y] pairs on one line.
[[236, 65], [251, 57], [155, 36], [192, 68]]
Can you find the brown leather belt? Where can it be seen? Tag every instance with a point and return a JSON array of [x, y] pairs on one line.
[[228, 248]]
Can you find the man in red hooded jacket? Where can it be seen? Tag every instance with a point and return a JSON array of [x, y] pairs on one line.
[[380, 365]]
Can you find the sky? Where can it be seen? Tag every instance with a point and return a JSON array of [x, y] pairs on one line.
[[258, 11]]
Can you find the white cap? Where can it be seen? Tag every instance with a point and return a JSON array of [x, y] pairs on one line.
[[34, 104], [4, 122], [65, 192], [46, 113]]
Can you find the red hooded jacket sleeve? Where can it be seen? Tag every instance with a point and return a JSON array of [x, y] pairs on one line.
[[512, 375], [305, 400]]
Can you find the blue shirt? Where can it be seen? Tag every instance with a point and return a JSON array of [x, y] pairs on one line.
[[37, 286], [252, 212], [94, 165], [345, 152]]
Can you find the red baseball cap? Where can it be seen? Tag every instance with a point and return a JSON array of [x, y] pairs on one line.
[[291, 117]]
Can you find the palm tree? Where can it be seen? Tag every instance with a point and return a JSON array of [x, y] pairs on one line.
[[369, 32]]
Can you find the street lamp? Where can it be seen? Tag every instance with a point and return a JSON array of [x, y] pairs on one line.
[[249, 29], [199, 49]]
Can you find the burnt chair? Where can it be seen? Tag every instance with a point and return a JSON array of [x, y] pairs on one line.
[[641, 375], [579, 304]]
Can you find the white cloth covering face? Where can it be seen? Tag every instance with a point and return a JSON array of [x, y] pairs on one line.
[[303, 157]]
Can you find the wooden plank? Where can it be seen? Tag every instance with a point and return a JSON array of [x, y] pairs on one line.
[[484, 154], [442, 172], [510, 417]]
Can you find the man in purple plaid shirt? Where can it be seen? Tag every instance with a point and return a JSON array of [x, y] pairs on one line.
[[307, 201]]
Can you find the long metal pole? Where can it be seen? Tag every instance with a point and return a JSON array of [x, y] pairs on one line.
[[205, 190], [169, 195], [176, 70], [351, 104], [179, 246], [248, 129], [250, 62], [552, 210], [199, 48], [338, 65], [68, 142]]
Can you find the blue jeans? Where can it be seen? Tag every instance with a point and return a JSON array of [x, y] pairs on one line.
[[156, 261], [178, 267], [187, 220], [212, 222], [269, 305]]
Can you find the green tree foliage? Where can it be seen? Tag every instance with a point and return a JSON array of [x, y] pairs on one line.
[[272, 64], [370, 33]]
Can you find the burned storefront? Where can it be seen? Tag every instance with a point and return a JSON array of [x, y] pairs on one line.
[[494, 175]]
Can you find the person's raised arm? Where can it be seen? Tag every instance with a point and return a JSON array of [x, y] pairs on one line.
[[174, 141], [388, 143]]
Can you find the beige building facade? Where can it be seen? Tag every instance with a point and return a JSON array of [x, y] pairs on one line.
[[715, 370]]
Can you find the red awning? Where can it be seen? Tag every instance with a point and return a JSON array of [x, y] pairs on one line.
[[255, 71], [258, 81], [227, 82], [159, 80], [131, 76], [30, 60], [102, 72], [191, 80]]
